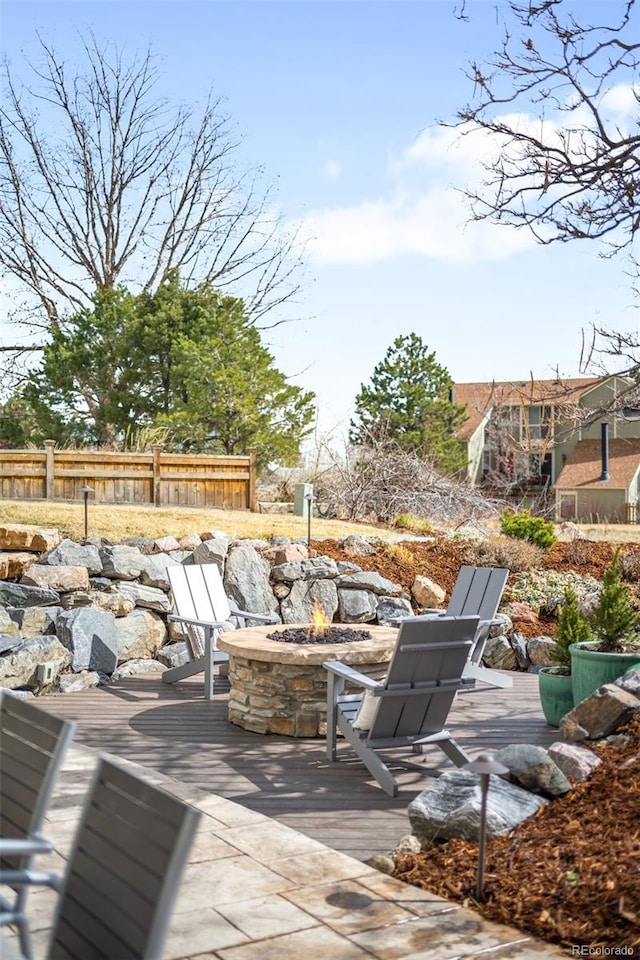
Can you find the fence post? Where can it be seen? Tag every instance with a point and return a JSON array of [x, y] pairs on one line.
[[253, 505], [49, 468], [156, 448]]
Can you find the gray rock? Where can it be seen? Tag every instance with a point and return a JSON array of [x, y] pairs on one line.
[[357, 546], [305, 596], [92, 638], [347, 567], [74, 682], [540, 651], [71, 554], [149, 597], [450, 807], [18, 667], [19, 595], [116, 602], [356, 606], [317, 568], [533, 769], [577, 763], [9, 641], [10, 621], [519, 647], [155, 572], [382, 863], [600, 714], [166, 545], [630, 681], [246, 580], [173, 654], [392, 608], [370, 580], [499, 655], [61, 579], [133, 667], [503, 628], [407, 844], [121, 562], [140, 634], [36, 621], [214, 550]]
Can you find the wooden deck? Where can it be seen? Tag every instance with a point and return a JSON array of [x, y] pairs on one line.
[[174, 730]]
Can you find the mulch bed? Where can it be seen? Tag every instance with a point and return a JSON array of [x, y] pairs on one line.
[[571, 874]]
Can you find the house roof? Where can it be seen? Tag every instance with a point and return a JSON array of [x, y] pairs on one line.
[[584, 466], [480, 398]]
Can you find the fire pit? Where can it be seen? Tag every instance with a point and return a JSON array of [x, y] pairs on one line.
[[281, 687]]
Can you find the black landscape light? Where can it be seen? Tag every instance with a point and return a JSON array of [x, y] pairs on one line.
[[484, 766], [85, 490]]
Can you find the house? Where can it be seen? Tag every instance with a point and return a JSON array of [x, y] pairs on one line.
[[600, 482], [521, 436]]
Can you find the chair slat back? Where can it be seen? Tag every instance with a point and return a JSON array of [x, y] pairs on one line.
[[123, 873], [32, 744], [198, 592], [477, 592], [425, 672]]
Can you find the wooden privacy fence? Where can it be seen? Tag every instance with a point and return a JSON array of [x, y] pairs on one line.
[[158, 479]]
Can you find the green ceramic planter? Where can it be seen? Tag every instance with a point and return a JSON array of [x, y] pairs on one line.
[[556, 695], [590, 669]]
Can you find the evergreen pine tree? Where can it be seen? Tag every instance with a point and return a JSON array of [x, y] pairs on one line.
[[615, 618], [573, 627]]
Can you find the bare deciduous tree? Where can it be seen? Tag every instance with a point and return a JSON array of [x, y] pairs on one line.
[[103, 183], [560, 99]]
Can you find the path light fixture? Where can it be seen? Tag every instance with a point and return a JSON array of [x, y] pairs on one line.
[[308, 499], [85, 490], [484, 766]]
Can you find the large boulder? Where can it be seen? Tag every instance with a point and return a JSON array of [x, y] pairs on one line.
[[58, 578], [19, 536], [21, 595], [450, 807], [533, 769], [356, 606], [122, 562], [317, 568], [600, 714], [92, 637], [246, 580], [214, 550], [140, 635], [68, 553], [18, 667], [427, 593], [307, 596], [13, 565]]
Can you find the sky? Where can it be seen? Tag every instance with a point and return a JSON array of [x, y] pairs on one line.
[[339, 103]]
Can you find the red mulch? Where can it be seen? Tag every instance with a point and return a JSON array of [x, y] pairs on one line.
[[570, 874]]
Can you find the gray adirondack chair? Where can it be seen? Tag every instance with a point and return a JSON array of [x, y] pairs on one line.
[[425, 673], [477, 592], [122, 877], [32, 745], [202, 608]]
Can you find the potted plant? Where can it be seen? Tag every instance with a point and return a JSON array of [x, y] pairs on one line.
[[554, 682], [615, 646]]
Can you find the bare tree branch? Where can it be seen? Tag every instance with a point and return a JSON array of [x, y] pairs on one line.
[[560, 99], [103, 183]]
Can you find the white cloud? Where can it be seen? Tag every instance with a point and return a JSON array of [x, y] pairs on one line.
[[421, 214]]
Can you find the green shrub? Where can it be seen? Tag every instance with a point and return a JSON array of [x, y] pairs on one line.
[[523, 526], [614, 618], [573, 627]]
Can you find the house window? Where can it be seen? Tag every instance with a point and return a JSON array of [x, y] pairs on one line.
[[540, 467], [538, 422]]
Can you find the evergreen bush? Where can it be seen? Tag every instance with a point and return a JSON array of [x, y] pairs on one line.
[[523, 526], [573, 627], [615, 618]]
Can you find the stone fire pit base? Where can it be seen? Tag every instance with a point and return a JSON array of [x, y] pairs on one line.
[[281, 688]]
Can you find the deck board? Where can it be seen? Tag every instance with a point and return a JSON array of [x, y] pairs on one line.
[[174, 730]]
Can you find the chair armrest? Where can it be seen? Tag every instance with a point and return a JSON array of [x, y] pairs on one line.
[[260, 617], [196, 623], [25, 846], [31, 878], [348, 673]]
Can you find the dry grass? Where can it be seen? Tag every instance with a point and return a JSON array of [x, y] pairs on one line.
[[119, 522]]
